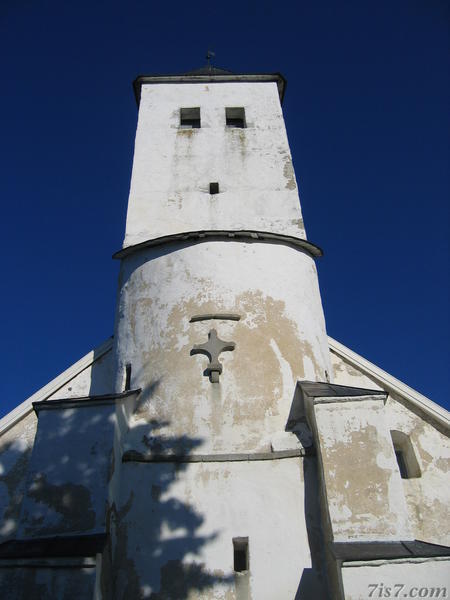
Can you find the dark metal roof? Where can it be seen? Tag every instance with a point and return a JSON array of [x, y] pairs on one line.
[[350, 551], [210, 75], [209, 70], [323, 389], [82, 401]]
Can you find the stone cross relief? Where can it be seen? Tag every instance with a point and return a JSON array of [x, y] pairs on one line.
[[212, 348]]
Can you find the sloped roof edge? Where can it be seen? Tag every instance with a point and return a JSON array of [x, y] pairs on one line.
[[54, 385], [424, 404], [390, 383]]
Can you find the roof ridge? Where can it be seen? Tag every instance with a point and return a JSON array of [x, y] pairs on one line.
[[209, 70]]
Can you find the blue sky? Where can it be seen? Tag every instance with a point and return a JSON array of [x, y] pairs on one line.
[[366, 109]]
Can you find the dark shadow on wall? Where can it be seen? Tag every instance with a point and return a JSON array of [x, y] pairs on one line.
[[313, 581], [14, 461], [53, 497], [16, 448], [157, 531], [157, 538], [46, 583]]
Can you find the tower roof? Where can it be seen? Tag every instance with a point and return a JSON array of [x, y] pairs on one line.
[[208, 74], [209, 70]]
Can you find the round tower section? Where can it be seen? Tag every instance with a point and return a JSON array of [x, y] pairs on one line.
[[259, 299]]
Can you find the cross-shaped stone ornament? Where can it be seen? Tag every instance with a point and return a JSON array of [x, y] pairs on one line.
[[213, 347]]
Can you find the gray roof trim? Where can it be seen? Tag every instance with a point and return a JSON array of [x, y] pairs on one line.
[[357, 551], [82, 401], [322, 392], [229, 235], [323, 389], [210, 78]]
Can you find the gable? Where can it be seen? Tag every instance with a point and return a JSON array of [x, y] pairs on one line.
[[91, 375], [424, 424], [349, 368]]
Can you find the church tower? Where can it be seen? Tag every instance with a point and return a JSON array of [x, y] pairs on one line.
[[215, 255], [218, 316], [221, 445]]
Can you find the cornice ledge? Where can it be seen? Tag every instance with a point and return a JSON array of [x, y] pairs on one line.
[[246, 235], [215, 77]]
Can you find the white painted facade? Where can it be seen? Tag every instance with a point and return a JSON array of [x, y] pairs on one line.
[[135, 473], [172, 166], [280, 338]]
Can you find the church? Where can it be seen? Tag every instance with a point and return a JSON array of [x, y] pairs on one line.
[[220, 445]]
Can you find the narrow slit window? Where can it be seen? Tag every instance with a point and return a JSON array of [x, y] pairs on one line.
[[401, 462], [190, 118], [240, 554], [235, 117], [214, 188], [407, 462], [128, 377]]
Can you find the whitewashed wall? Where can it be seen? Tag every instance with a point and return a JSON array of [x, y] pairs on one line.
[[428, 496], [176, 540], [173, 167], [280, 338]]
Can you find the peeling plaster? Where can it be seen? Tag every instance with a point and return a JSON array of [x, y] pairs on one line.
[[173, 166], [427, 497], [254, 395]]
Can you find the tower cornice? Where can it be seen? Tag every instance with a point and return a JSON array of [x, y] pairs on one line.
[[212, 76], [222, 235]]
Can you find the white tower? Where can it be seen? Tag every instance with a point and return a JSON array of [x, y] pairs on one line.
[[215, 255]]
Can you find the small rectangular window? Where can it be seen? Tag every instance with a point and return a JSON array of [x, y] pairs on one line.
[[240, 554], [235, 117], [214, 188], [408, 465], [190, 118]]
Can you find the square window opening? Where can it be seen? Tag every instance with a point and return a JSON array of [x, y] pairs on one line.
[[240, 554], [235, 117], [214, 188], [190, 118]]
